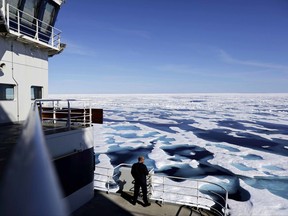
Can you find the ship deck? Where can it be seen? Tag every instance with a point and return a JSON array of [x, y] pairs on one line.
[[104, 204]]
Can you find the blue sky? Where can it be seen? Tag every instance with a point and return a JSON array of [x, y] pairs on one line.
[[172, 46]]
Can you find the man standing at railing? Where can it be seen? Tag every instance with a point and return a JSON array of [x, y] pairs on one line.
[[139, 172]]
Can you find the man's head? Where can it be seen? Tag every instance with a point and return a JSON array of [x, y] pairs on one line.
[[141, 159]]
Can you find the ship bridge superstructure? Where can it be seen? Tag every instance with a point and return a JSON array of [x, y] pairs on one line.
[[28, 37], [64, 134], [32, 22]]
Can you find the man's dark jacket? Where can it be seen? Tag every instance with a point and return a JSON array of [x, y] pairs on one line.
[[139, 172]]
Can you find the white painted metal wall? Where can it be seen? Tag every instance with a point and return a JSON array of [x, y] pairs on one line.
[[64, 143], [25, 66]]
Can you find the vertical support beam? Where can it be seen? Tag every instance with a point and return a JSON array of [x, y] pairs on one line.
[[197, 194], [108, 180], [40, 111], [7, 15], [84, 114], [163, 191], [37, 30], [54, 112], [18, 22], [226, 198], [90, 112], [58, 41], [69, 116], [52, 37]]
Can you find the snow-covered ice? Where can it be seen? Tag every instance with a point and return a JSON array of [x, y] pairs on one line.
[[239, 141]]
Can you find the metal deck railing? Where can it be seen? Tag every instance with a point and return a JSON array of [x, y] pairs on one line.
[[169, 189], [30, 162], [23, 25], [64, 114]]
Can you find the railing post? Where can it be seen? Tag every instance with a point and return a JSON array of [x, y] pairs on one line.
[[8, 16], [90, 114], [18, 22], [54, 112], [52, 37], [226, 198], [41, 118], [163, 192], [84, 114], [58, 42], [69, 116], [197, 194], [150, 184], [37, 30], [108, 178]]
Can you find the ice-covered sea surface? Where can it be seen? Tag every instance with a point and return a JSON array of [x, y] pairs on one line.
[[237, 140]]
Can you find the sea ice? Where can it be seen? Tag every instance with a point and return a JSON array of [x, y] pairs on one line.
[[240, 138]]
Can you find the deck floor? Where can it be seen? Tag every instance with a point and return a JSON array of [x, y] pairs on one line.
[[104, 204]]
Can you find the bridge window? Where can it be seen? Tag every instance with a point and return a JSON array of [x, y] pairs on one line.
[[13, 10], [48, 19], [49, 14], [30, 9], [6, 92], [14, 3], [36, 92]]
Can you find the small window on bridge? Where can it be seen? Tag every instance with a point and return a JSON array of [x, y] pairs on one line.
[[36, 92], [6, 92]]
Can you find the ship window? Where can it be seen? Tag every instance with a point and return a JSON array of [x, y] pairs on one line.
[[14, 3], [36, 92], [49, 14], [48, 18], [13, 10], [6, 92], [31, 8]]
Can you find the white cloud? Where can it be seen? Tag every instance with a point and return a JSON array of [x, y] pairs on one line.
[[229, 59], [78, 49]]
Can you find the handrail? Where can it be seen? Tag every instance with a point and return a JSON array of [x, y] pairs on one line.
[[109, 174], [59, 113], [173, 192], [31, 163], [35, 30]]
